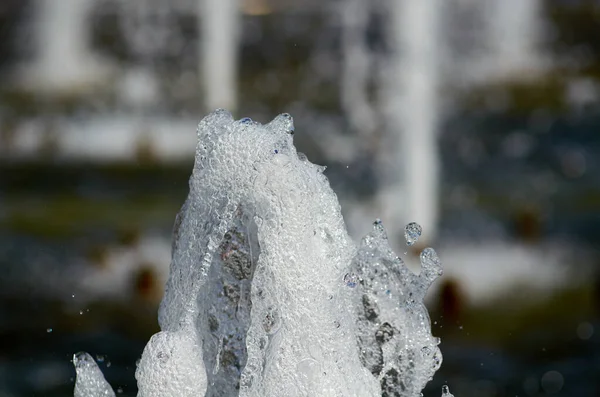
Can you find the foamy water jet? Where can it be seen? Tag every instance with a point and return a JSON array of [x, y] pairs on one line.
[[268, 295]]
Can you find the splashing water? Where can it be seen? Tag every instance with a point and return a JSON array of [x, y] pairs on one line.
[[267, 294], [393, 329], [90, 381]]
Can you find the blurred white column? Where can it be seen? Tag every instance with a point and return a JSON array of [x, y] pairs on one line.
[[220, 22], [514, 35], [64, 60], [356, 67], [413, 113]]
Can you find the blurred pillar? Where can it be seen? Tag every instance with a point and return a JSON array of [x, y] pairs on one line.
[[513, 36], [413, 113], [220, 28], [356, 68], [64, 59]]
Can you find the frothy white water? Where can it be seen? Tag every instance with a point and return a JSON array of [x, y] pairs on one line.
[[90, 381], [267, 294]]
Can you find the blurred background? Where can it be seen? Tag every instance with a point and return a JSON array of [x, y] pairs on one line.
[[478, 119]]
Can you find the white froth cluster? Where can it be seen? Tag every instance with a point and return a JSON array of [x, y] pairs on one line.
[[267, 294], [90, 381]]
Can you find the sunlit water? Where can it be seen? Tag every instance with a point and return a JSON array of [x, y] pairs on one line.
[[268, 296]]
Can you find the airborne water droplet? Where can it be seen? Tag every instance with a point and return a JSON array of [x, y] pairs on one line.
[[446, 392], [412, 232]]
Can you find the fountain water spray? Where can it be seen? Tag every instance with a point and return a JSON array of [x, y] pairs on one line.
[[267, 294]]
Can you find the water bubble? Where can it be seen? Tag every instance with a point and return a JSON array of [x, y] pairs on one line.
[[552, 382], [100, 358], [585, 331], [81, 312], [48, 330], [378, 225], [120, 390], [246, 120], [412, 232], [270, 321], [351, 280], [108, 364], [81, 359]]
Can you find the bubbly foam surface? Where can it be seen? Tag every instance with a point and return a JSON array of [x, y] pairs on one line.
[[267, 294], [90, 381]]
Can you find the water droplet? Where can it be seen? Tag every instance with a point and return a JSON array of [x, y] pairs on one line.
[[379, 230], [412, 232], [431, 264], [351, 280], [446, 391], [48, 330], [81, 312], [377, 224]]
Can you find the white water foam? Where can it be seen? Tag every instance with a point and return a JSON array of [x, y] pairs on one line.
[[268, 295]]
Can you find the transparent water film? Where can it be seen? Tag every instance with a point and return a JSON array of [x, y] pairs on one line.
[[268, 296], [90, 381]]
